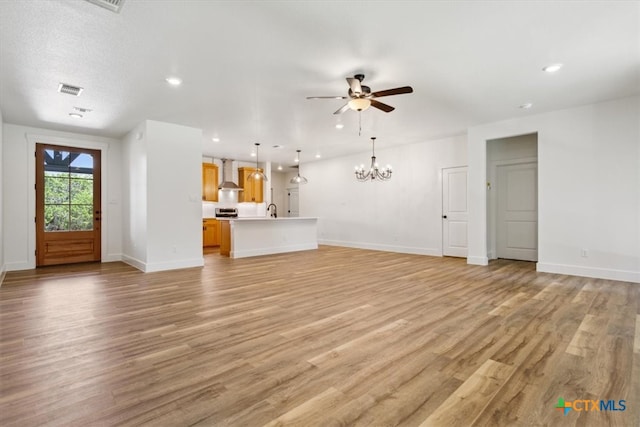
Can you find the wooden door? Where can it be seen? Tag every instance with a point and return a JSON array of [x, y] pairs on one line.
[[454, 211], [68, 207], [517, 225]]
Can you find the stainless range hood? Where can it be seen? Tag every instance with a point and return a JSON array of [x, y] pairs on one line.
[[227, 176]]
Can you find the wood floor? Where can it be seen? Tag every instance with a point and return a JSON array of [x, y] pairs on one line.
[[331, 337]]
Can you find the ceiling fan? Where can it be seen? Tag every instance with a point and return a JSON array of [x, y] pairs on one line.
[[360, 97]]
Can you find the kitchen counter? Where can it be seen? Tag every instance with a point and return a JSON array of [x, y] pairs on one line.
[[266, 218], [254, 236]]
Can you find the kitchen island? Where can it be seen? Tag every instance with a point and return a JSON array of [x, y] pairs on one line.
[[246, 237]]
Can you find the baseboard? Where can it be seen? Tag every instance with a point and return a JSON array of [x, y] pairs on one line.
[[384, 248], [174, 265], [276, 250], [596, 273], [162, 266], [17, 266], [478, 260], [133, 262], [112, 258]]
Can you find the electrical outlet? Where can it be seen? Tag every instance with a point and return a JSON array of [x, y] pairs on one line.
[[584, 253]]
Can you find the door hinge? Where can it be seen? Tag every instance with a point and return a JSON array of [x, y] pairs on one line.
[[35, 219]]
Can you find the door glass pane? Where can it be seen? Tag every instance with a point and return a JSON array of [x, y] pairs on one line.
[[56, 189], [56, 217], [81, 191], [81, 218], [68, 192]]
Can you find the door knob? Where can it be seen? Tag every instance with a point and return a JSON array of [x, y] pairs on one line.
[[444, 216]]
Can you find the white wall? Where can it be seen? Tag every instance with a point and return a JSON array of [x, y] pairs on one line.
[[19, 194], [401, 215], [134, 197], [588, 180], [163, 186], [2, 266]]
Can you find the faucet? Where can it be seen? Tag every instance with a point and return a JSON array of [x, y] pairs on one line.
[[274, 214]]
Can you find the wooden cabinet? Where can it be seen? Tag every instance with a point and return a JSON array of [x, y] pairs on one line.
[[210, 232], [209, 182], [225, 238], [253, 189]]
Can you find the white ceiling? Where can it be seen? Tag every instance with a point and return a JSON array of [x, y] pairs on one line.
[[247, 67]]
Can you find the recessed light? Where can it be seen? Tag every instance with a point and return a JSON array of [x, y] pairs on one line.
[[279, 167], [339, 126], [76, 115], [173, 81], [318, 156], [215, 139], [253, 154], [526, 106], [552, 68]]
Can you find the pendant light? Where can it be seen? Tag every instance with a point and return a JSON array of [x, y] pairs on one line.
[[258, 175], [298, 179]]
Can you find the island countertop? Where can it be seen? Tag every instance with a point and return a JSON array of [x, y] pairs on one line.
[[253, 236], [267, 218]]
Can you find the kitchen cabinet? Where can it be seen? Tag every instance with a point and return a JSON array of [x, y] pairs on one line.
[[209, 182], [253, 189], [225, 238], [210, 232]]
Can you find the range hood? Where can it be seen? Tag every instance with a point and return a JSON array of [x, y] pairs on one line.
[[227, 176]]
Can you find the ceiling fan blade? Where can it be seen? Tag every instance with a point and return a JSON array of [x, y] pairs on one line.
[[380, 106], [355, 86], [396, 91], [326, 97], [344, 108]]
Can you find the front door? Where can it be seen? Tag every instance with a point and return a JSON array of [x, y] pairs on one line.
[[517, 233], [67, 205], [454, 212]]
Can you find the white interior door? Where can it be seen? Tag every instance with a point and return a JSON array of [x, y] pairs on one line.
[[517, 222], [454, 211], [292, 202]]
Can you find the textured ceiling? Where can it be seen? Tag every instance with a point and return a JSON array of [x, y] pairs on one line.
[[248, 66]]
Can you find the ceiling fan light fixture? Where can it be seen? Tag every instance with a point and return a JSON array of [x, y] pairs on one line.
[[359, 104]]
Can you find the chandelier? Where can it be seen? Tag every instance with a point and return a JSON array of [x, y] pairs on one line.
[[258, 175], [298, 179], [375, 171]]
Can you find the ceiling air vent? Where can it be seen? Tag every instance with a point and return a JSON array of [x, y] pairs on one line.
[[69, 90], [112, 5]]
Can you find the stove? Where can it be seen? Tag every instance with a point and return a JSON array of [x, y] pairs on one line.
[[226, 212]]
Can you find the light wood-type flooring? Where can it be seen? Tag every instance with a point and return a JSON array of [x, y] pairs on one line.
[[337, 336]]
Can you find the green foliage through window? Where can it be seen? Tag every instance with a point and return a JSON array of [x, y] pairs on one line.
[[68, 192]]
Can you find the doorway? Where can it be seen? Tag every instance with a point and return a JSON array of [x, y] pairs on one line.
[[68, 205], [512, 198]]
